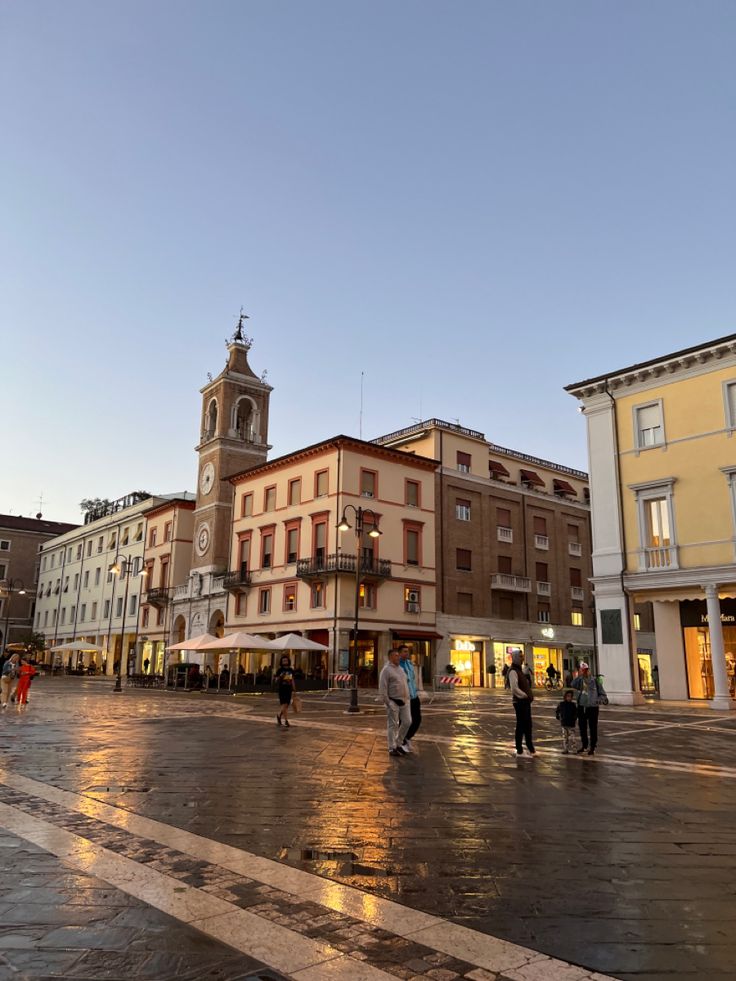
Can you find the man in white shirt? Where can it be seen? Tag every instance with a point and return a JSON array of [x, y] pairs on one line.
[[394, 692]]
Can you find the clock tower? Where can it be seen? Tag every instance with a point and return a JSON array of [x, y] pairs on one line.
[[233, 437]]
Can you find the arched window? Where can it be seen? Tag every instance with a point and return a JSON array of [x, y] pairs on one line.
[[211, 427], [243, 415]]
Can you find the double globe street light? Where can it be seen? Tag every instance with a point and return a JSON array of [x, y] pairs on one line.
[[7, 588], [373, 532], [123, 567]]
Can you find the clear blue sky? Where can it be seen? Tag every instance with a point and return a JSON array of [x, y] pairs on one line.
[[473, 203]]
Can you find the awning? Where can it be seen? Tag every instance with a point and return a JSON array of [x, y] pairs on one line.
[[416, 634], [530, 477], [562, 487], [495, 467]]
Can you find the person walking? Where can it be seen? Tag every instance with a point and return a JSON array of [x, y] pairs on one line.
[[284, 678], [521, 696], [414, 681], [590, 695], [567, 713], [9, 679], [26, 671], [393, 689]]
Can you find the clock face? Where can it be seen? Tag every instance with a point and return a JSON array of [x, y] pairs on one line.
[[203, 539], [207, 478]]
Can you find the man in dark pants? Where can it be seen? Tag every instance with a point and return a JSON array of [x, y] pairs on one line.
[[521, 695], [413, 680], [591, 694]]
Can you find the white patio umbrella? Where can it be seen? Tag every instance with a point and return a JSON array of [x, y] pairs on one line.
[[294, 642], [79, 645], [193, 644], [240, 640]]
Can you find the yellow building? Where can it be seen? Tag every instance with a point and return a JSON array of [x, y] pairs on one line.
[[293, 570], [663, 494]]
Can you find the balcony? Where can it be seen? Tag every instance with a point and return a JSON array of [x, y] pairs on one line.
[[577, 593], [237, 582], [541, 541], [159, 596], [544, 588], [513, 584], [338, 563], [575, 548], [661, 557], [504, 534]]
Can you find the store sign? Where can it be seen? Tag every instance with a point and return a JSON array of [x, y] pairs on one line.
[[694, 613], [547, 632], [464, 645]]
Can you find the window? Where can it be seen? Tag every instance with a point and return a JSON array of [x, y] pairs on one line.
[[573, 533], [656, 525], [152, 535], [465, 604], [464, 559], [89, 548], [295, 491], [292, 544], [266, 549], [540, 525], [576, 577], [464, 462], [86, 579], [246, 508], [53, 560], [163, 575], [240, 604], [106, 609], [80, 547], [119, 607], [83, 612], [368, 480], [4, 545], [63, 614], [504, 565], [264, 601], [168, 531], [76, 581], [45, 618], [269, 499], [320, 483], [367, 596], [111, 544], [290, 596], [3, 571], [412, 599], [132, 605], [139, 532], [411, 493], [503, 517], [125, 536], [144, 616], [43, 564], [542, 572], [53, 617], [94, 611], [98, 572], [576, 617], [69, 553], [543, 614], [637, 621], [412, 545], [100, 544], [317, 596], [72, 614], [319, 534], [244, 553], [648, 425], [462, 510]]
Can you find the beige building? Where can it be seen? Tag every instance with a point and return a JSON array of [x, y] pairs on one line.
[[292, 570], [514, 547], [167, 559]]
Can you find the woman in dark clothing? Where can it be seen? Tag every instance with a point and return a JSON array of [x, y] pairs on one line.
[[284, 678]]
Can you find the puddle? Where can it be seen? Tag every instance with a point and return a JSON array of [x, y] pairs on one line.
[[337, 862]]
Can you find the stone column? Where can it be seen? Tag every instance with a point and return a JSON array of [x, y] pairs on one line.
[[721, 699]]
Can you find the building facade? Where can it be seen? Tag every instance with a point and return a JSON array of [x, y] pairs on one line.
[[90, 584], [20, 543], [293, 570], [663, 482], [514, 555]]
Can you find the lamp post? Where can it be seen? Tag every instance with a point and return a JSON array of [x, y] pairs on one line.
[[344, 525], [123, 567], [8, 587]]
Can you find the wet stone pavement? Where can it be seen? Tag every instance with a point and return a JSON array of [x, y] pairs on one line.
[[624, 863]]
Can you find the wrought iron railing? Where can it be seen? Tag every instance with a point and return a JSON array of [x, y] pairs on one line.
[[342, 562]]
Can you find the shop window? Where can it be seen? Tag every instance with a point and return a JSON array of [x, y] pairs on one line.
[[411, 493], [264, 601], [269, 499], [648, 425], [462, 510], [295, 491], [320, 483], [464, 462], [317, 596], [543, 613], [464, 560], [246, 507], [368, 481], [576, 617]]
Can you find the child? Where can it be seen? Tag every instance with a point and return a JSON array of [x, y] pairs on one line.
[[567, 713]]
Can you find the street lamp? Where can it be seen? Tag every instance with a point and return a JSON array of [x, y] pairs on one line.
[[8, 587], [123, 568], [360, 515]]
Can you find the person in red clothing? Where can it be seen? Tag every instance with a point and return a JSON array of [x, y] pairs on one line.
[[26, 671]]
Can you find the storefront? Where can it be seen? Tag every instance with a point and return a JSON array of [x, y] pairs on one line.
[[542, 657], [647, 673], [420, 644], [699, 666], [467, 661]]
